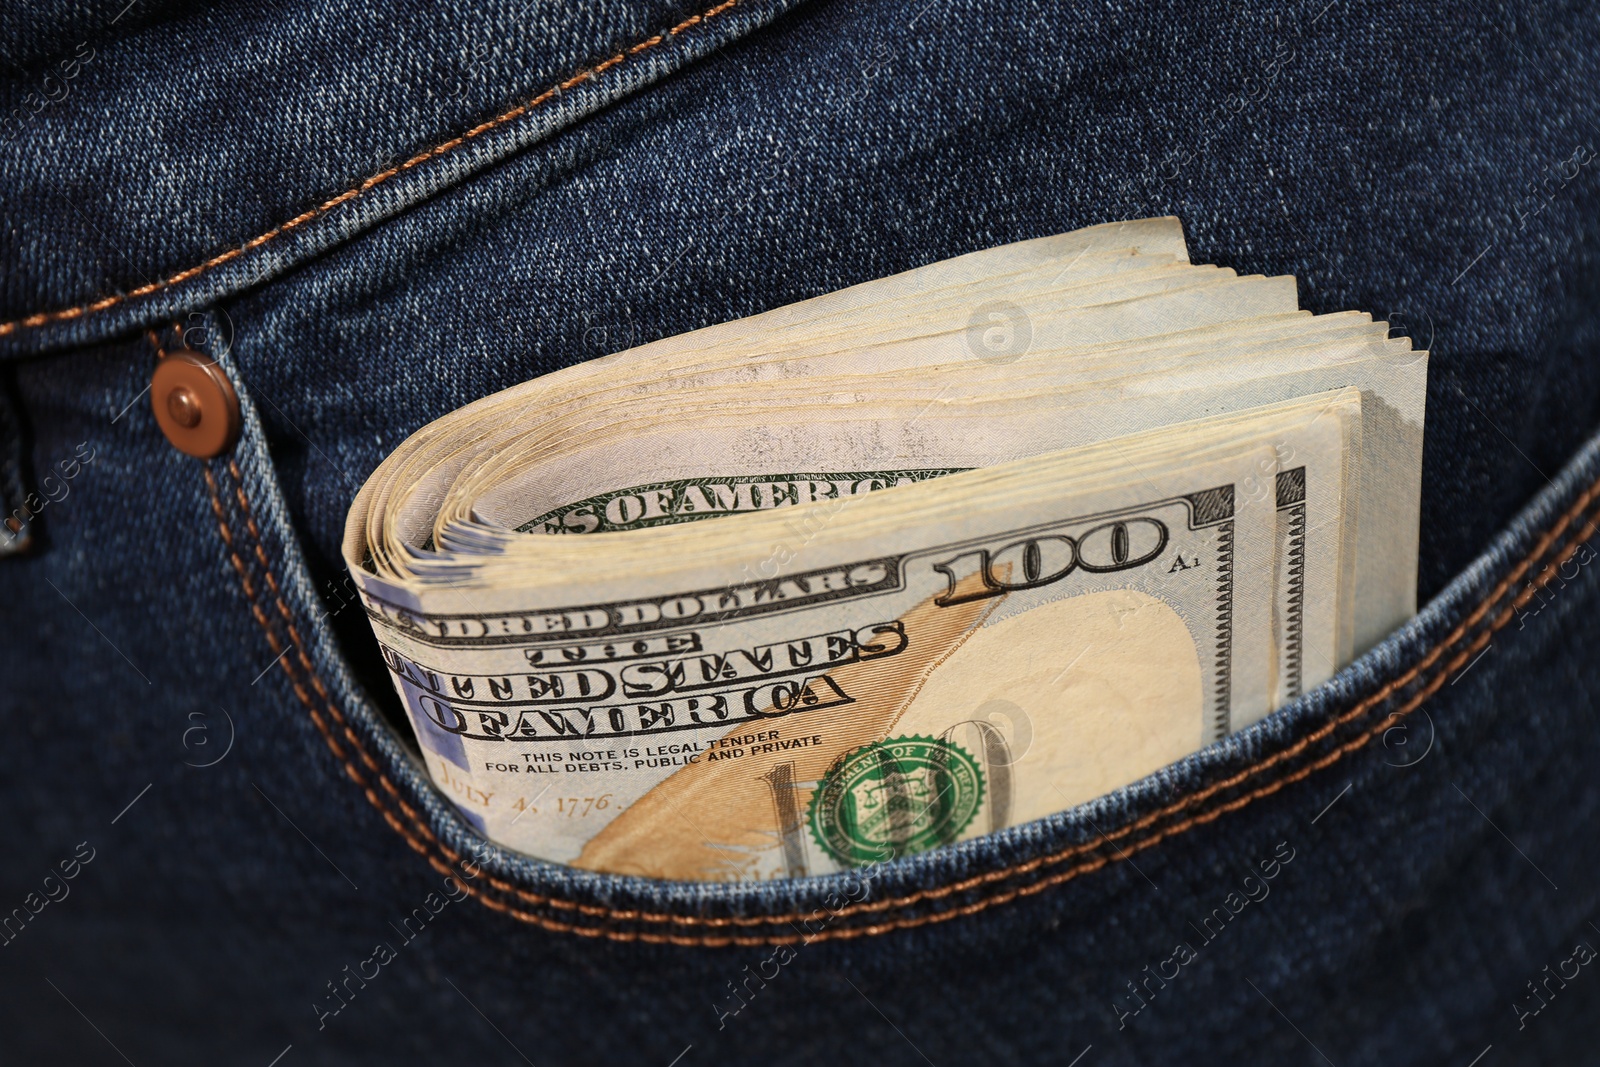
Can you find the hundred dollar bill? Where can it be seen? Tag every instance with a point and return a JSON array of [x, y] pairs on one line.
[[894, 567], [696, 724]]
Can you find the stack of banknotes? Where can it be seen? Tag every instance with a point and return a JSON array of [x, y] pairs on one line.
[[896, 566]]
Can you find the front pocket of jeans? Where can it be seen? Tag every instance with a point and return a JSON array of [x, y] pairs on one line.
[[1363, 714]]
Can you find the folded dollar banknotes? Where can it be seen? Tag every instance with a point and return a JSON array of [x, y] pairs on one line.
[[895, 566]]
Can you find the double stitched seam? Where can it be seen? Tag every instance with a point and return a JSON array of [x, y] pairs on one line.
[[589, 74], [300, 671], [264, 596], [1433, 685]]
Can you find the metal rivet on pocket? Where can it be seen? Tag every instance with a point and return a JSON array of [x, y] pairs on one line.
[[195, 404]]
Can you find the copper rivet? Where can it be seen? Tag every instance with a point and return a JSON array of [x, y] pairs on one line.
[[184, 407], [195, 405]]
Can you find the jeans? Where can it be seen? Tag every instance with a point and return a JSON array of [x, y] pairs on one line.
[[372, 214]]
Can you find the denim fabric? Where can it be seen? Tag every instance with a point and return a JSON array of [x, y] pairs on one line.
[[193, 701]]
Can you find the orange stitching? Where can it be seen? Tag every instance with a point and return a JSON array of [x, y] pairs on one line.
[[332, 707], [1435, 683], [372, 798], [1177, 828], [44, 317], [272, 638], [1266, 789], [1293, 750], [394, 823], [1278, 757], [300, 654], [1204, 817], [299, 689]]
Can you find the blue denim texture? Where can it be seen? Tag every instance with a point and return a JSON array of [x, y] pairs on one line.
[[1430, 166]]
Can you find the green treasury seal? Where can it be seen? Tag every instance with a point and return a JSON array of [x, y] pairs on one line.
[[895, 797]]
